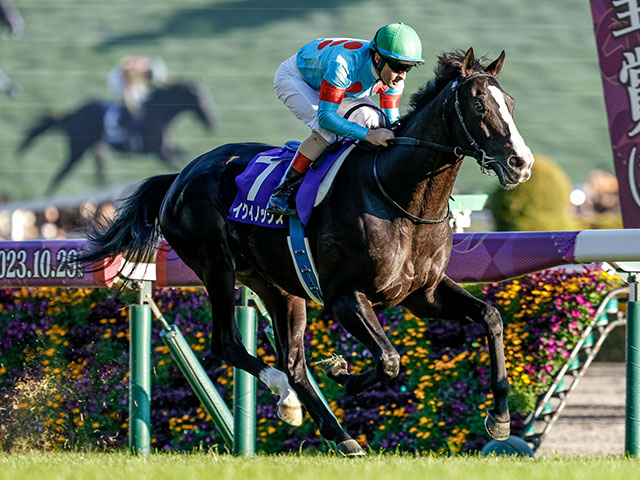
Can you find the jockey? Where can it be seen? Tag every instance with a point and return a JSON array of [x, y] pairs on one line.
[[132, 80], [326, 78]]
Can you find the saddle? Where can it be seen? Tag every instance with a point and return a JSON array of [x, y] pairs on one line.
[[121, 128], [264, 172]]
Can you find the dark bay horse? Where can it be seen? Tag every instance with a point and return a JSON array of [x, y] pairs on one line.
[[380, 238], [85, 127]]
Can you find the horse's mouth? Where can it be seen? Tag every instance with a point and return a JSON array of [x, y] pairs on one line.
[[505, 176]]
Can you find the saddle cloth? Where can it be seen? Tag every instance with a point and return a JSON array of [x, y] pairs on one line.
[[120, 128], [263, 174]]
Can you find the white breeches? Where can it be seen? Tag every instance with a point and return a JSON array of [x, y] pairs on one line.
[[302, 100]]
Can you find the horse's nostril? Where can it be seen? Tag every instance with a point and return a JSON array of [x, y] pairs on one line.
[[517, 163]]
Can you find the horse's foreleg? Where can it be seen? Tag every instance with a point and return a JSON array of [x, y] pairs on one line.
[[98, 155], [289, 320], [355, 313], [77, 147], [277, 379], [452, 302]]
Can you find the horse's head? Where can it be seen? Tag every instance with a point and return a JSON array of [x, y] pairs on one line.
[[480, 115]]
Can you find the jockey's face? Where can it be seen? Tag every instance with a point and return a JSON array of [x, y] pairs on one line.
[[390, 77]]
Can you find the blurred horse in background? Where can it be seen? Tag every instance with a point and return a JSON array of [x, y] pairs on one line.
[[91, 126], [12, 20]]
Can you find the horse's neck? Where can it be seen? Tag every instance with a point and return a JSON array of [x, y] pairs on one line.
[[163, 108], [422, 178]]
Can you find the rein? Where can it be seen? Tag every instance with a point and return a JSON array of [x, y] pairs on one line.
[[478, 153], [412, 217], [481, 156]]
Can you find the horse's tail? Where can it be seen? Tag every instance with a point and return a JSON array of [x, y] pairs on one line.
[[45, 123], [134, 232]]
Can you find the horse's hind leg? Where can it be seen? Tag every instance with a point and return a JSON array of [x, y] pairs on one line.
[[452, 302], [200, 239], [290, 321], [355, 313]]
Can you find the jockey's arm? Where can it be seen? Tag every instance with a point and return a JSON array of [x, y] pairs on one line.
[[390, 103], [328, 118]]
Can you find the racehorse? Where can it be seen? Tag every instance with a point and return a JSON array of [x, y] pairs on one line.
[[380, 238], [85, 127]]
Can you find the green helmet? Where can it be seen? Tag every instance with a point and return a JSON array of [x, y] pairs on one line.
[[399, 43]]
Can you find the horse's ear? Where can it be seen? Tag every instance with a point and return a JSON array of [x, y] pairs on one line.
[[468, 63], [496, 66]]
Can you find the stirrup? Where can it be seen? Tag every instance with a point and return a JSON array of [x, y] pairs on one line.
[[277, 210]]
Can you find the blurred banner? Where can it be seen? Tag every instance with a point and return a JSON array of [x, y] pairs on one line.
[[617, 30]]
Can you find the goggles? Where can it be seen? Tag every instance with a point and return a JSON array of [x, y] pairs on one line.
[[398, 67]]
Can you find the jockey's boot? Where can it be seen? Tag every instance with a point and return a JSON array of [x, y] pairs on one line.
[[282, 201]]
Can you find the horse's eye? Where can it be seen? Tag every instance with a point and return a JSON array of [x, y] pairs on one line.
[[478, 106]]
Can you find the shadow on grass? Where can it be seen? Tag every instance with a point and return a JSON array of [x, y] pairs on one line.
[[221, 18]]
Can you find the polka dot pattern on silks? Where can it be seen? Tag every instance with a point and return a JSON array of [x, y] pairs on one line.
[[334, 43], [353, 45]]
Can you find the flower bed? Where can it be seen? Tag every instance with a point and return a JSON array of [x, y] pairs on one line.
[[64, 369]]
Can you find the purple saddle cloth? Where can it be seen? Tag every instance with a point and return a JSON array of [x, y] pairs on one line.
[[263, 174]]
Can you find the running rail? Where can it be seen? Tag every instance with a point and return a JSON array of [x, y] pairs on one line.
[[476, 257]]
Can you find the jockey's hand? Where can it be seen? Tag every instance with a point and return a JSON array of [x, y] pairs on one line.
[[379, 136]]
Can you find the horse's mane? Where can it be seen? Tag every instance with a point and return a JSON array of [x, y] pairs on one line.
[[446, 70]]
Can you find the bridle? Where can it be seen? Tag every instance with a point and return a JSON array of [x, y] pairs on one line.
[[481, 156], [478, 152]]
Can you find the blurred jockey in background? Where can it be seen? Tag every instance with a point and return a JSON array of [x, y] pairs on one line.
[[134, 77], [132, 81]]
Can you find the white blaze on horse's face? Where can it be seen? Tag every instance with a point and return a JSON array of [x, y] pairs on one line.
[[524, 160]]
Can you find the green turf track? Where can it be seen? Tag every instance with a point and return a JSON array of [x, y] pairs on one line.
[[89, 466]]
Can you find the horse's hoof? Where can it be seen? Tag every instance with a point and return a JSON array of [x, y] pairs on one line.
[[497, 430], [350, 448], [291, 415], [333, 365]]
